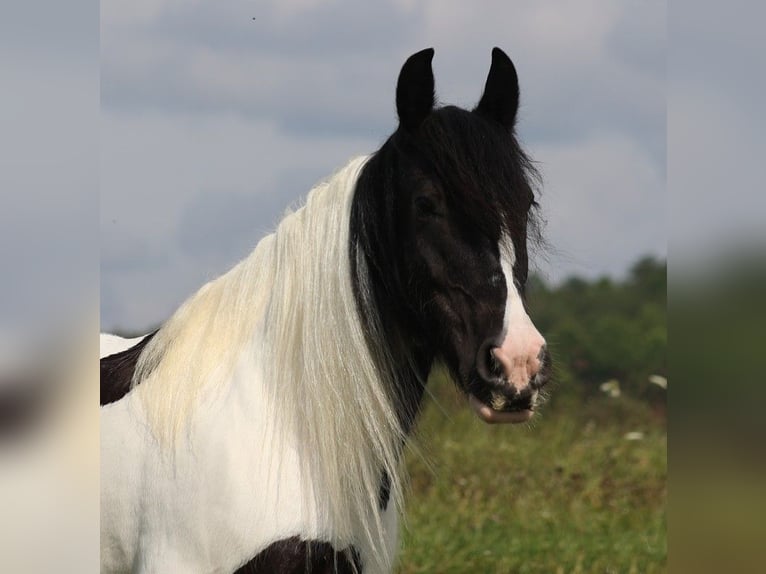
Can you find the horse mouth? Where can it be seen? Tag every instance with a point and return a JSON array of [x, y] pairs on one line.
[[511, 414]]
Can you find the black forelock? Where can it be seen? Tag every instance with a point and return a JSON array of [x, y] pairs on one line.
[[481, 167]]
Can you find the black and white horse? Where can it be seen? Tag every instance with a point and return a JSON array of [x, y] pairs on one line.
[[261, 428]]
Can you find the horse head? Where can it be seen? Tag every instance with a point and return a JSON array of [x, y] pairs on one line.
[[454, 204]]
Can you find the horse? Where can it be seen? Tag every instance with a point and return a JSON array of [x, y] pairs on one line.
[[261, 428]]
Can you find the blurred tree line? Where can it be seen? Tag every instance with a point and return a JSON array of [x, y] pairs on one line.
[[603, 329]]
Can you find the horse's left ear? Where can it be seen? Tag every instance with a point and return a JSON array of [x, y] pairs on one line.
[[500, 100], [415, 90]]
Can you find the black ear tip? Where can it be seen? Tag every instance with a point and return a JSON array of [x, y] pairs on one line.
[[500, 100], [500, 57], [415, 89], [424, 55]]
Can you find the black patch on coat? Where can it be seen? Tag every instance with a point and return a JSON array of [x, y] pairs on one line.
[[117, 371], [296, 556]]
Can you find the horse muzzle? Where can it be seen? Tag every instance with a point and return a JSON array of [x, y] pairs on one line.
[[509, 384]]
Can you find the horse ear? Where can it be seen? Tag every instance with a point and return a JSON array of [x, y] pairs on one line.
[[415, 90], [500, 100]]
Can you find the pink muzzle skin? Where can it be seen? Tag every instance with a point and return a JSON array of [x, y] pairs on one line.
[[520, 359]]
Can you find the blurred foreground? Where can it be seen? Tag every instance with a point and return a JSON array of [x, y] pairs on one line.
[[718, 510], [49, 473]]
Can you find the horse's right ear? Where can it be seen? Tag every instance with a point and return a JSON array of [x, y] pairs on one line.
[[500, 100], [415, 90]]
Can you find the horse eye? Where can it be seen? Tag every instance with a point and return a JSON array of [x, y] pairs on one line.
[[425, 205]]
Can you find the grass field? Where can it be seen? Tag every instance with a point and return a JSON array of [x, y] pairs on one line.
[[566, 493]]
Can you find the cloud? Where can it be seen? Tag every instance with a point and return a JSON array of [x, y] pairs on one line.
[[53, 31], [716, 135], [129, 253], [605, 205], [314, 71], [214, 122], [48, 187], [182, 201], [228, 225], [586, 66]]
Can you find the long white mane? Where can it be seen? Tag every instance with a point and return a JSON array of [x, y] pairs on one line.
[[291, 302]]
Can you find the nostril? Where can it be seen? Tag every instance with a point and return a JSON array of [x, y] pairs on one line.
[[487, 365], [541, 354]]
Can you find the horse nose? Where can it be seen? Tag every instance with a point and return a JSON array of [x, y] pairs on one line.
[[520, 364]]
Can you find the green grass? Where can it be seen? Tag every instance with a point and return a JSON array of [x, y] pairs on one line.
[[567, 493]]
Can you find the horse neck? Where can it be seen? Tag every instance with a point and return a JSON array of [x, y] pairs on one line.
[[394, 335]]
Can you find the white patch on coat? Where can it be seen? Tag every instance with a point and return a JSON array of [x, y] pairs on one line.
[[522, 342]]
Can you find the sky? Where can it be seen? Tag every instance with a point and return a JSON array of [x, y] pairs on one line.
[[49, 117], [716, 131], [217, 116]]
